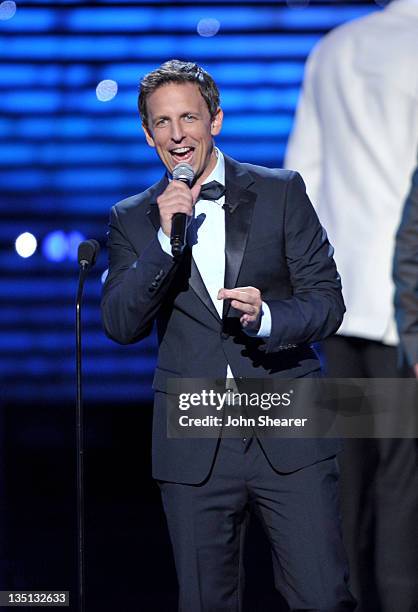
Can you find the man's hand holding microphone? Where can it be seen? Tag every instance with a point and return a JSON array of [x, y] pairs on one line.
[[176, 205]]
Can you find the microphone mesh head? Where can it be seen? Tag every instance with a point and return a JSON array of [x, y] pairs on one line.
[[183, 172], [88, 252]]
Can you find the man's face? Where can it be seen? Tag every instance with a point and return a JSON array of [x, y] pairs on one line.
[[181, 129]]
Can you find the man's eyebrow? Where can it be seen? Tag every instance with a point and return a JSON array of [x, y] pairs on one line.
[[166, 117], [158, 117], [191, 112]]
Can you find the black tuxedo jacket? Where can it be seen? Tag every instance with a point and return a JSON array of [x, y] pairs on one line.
[[274, 242]]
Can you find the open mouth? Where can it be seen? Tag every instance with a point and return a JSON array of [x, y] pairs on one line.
[[182, 154]]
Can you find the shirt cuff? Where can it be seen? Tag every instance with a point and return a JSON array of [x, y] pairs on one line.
[[164, 241], [265, 324]]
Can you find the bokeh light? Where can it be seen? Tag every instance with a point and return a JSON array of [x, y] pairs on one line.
[[208, 27], [7, 10], [106, 90], [73, 240], [26, 244], [55, 246]]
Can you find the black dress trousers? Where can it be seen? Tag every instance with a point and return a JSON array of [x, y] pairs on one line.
[[300, 514]]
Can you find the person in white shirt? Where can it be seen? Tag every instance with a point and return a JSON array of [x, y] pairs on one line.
[[354, 140]]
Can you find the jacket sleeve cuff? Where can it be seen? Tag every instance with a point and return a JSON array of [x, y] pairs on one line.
[[265, 324]]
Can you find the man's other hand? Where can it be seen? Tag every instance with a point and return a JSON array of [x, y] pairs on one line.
[[248, 301]]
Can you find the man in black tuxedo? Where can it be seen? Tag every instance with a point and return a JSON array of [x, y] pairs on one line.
[[254, 287]]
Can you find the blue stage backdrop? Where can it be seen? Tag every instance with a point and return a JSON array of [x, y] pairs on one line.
[[71, 146]]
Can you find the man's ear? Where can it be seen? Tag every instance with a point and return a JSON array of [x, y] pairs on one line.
[[148, 135], [216, 123]]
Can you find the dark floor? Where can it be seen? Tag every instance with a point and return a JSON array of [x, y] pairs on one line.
[[128, 561]]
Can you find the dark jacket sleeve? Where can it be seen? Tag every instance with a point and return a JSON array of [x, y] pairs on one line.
[[136, 284], [316, 307], [405, 275]]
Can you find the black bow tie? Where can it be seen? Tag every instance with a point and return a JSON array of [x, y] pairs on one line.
[[211, 191]]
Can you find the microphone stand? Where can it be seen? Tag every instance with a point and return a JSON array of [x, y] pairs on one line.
[[87, 255], [84, 268]]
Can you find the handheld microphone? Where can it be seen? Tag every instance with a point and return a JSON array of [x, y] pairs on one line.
[[185, 173]]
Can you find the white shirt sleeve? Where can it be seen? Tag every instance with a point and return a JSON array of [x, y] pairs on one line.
[[164, 241], [265, 325]]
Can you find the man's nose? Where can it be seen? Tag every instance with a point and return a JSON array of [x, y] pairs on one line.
[[177, 131]]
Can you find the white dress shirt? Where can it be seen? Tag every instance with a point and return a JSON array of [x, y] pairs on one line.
[[355, 142], [206, 236]]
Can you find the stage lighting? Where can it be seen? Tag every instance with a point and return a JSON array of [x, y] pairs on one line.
[[55, 246], [25, 244], [7, 10], [73, 240], [106, 90], [208, 27]]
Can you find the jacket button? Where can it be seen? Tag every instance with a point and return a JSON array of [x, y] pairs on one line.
[[224, 336], [154, 284]]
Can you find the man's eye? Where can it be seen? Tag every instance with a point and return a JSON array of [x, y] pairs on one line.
[[161, 122], [189, 117]]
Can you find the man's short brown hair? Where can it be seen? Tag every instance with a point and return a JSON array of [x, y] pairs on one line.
[[177, 71]]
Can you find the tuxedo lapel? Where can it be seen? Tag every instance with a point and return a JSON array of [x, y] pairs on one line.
[[153, 213], [198, 286], [239, 205]]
